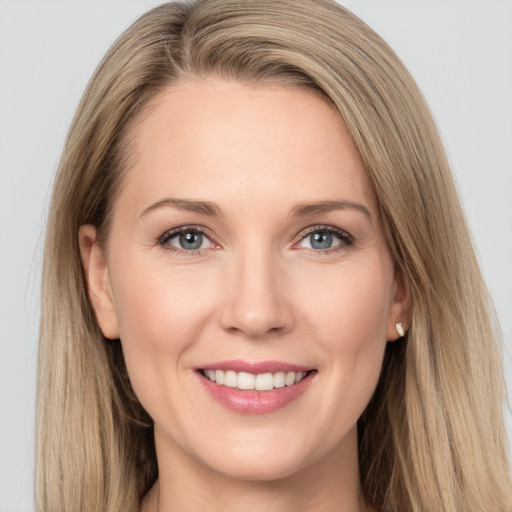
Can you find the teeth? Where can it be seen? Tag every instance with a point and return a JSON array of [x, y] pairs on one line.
[[230, 379], [246, 380], [290, 378], [279, 379], [260, 382], [264, 382]]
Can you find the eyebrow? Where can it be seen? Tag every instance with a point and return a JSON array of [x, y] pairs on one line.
[[304, 209], [188, 205]]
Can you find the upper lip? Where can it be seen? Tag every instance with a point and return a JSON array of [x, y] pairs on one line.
[[255, 367]]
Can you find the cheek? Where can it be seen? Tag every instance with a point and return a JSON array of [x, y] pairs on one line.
[[157, 306], [160, 314], [349, 319], [350, 305]]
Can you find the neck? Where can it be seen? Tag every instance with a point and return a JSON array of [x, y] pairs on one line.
[[329, 484]]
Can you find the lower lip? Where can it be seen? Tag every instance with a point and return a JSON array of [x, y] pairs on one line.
[[256, 402]]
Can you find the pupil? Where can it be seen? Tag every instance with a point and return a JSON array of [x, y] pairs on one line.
[[191, 240], [321, 240]]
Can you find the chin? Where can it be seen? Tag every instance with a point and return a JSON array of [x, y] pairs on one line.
[[261, 469], [268, 457]]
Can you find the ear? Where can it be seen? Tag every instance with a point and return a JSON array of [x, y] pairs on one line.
[[98, 281], [400, 307]]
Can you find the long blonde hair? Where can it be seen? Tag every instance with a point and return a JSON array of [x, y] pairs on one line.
[[432, 438]]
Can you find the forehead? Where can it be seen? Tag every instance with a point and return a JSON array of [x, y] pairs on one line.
[[217, 140]]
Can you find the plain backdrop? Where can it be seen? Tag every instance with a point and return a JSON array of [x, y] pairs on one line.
[[459, 51]]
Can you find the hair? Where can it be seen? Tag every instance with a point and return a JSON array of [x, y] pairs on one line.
[[432, 438]]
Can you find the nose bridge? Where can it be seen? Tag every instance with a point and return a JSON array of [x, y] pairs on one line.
[[256, 304]]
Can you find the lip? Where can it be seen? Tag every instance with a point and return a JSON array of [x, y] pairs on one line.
[[252, 401], [242, 365]]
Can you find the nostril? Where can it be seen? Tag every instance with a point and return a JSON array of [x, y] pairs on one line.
[[256, 331], [254, 324], [256, 303]]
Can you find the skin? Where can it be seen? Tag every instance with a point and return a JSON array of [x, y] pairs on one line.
[[256, 290]]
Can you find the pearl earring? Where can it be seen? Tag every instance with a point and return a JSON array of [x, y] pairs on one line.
[[400, 329]]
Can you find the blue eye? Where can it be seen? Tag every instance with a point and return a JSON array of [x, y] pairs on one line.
[[325, 238], [187, 239], [321, 240]]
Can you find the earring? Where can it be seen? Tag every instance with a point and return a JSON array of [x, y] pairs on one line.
[[400, 329]]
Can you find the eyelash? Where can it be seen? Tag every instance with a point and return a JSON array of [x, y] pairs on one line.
[[168, 235], [346, 240]]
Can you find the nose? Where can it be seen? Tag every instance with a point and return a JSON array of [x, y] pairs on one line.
[[257, 303]]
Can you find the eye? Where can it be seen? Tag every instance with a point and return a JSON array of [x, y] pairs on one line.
[[319, 240], [325, 238], [186, 239]]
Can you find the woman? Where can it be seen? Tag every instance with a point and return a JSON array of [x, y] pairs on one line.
[[278, 303]]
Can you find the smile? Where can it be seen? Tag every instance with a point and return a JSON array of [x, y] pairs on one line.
[[249, 381], [255, 388]]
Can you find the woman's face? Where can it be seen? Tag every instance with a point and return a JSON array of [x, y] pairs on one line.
[[247, 248]]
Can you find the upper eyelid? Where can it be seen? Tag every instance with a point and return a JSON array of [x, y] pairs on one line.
[[171, 233], [332, 229]]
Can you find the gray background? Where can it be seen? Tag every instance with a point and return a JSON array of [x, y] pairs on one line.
[[458, 50]]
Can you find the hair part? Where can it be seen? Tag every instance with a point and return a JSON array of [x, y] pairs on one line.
[[432, 438]]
